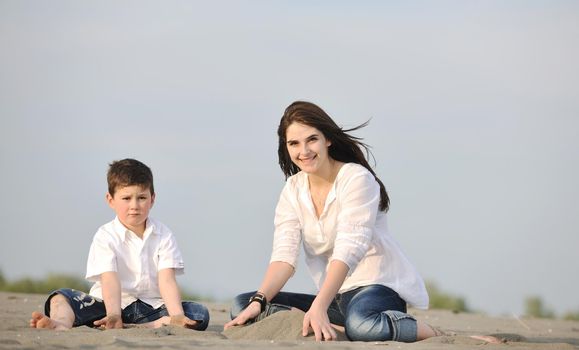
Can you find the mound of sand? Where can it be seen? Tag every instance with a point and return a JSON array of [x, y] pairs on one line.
[[284, 325]]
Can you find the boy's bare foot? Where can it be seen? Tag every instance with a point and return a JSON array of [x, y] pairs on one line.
[[39, 320]]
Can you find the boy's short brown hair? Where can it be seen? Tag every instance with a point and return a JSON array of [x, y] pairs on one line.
[[129, 172]]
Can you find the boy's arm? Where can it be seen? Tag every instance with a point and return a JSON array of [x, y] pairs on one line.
[[111, 287], [172, 298], [170, 292]]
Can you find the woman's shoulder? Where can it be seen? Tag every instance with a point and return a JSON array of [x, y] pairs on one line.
[[350, 170], [354, 176], [297, 180]]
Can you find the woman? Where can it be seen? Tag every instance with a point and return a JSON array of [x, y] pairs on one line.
[[335, 206]]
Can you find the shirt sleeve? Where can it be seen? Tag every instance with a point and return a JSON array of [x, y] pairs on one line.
[[170, 256], [101, 257], [359, 200], [287, 235]]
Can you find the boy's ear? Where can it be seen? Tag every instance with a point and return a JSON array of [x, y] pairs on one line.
[[152, 199], [109, 199]]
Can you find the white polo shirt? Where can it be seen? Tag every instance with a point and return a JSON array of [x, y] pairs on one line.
[[350, 229], [136, 261]]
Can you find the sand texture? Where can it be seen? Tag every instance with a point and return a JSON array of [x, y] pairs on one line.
[[279, 331]]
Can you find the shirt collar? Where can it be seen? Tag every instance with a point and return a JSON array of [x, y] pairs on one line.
[[123, 232], [306, 196]]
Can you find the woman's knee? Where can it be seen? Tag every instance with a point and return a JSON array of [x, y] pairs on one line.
[[366, 329], [383, 326]]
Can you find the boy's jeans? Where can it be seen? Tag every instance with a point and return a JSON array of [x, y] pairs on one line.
[[88, 309], [369, 313]]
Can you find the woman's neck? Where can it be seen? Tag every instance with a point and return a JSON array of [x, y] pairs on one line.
[[326, 176]]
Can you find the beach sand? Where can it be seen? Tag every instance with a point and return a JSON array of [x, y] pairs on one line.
[[279, 331]]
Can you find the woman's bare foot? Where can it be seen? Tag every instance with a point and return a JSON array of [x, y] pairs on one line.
[[487, 338], [425, 331], [39, 320]]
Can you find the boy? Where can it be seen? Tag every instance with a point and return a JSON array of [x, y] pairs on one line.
[[133, 261]]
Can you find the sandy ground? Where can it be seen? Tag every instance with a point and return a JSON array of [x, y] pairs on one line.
[[279, 331]]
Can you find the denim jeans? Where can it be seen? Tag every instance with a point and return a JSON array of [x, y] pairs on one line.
[[369, 313], [88, 309], [141, 312]]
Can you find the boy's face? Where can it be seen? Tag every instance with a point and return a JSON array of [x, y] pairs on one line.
[[132, 205]]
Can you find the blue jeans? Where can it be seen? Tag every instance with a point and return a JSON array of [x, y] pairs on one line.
[[369, 313], [88, 309]]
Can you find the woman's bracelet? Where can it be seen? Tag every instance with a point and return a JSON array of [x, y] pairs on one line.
[[260, 298]]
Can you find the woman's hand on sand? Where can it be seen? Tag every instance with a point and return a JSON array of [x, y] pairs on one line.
[[110, 322], [320, 323], [183, 321], [250, 312]]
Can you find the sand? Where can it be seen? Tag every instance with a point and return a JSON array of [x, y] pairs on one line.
[[279, 331]]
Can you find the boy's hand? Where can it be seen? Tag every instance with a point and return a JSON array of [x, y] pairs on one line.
[[110, 321], [183, 321]]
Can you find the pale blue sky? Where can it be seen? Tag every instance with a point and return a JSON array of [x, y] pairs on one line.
[[474, 107]]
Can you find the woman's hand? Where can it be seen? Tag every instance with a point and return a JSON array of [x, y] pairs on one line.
[[111, 321], [317, 319], [317, 315], [251, 311]]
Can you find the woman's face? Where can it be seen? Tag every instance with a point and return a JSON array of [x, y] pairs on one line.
[[307, 147]]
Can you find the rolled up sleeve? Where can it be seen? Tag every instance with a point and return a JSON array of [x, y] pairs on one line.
[[359, 202], [101, 257], [170, 256], [287, 235]]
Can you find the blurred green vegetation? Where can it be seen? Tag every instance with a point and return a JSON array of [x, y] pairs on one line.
[[444, 300], [45, 285], [56, 281], [534, 307], [571, 316]]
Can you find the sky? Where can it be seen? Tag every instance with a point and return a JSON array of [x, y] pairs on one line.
[[473, 109]]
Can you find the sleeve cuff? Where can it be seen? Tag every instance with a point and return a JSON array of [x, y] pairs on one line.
[[178, 266]]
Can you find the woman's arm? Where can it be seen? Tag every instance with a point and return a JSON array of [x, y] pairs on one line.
[[111, 287], [317, 315], [276, 276], [359, 198], [172, 299]]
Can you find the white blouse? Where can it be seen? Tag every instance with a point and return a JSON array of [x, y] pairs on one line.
[[136, 261], [350, 229]]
